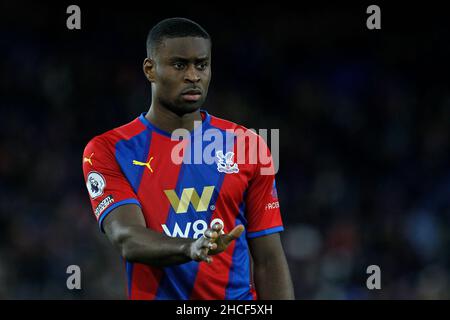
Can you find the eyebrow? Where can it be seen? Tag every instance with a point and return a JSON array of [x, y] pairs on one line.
[[183, 59]]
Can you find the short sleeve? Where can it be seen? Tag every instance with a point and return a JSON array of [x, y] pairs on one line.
[[262, 205], [106, 185]]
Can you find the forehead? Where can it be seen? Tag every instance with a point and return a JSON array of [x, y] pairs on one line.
[[186, 47]]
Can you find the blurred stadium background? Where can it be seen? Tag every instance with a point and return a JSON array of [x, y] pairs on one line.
[[364, 128]]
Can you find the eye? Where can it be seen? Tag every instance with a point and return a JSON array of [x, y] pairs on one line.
[[179, 65], [202, 66]]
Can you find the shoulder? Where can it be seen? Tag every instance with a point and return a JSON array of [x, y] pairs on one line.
[[107, 140], [238, 130], [228, 125], [225, 124]]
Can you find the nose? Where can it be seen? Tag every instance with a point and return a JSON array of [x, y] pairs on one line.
[[191, 74]]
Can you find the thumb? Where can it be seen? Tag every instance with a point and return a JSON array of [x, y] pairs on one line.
[[235, 233]]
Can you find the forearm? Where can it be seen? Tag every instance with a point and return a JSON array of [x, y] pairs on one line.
[[142, 245], [273, 280]]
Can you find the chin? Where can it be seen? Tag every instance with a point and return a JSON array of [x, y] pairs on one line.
[[192, 107], [182, 107], [185, 108]]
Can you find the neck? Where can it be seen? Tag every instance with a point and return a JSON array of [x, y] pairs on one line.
[[166, 120]]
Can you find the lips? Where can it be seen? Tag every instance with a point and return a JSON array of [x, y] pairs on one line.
[[192, 94]]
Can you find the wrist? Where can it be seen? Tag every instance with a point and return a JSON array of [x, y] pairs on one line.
[[186, 249]]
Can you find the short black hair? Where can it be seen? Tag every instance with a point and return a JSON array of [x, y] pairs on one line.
[[173, 28]]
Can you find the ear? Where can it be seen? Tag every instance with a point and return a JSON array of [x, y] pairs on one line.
[[149, 69]]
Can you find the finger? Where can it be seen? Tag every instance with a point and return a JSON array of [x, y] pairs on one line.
[[204, 257], [208, 260], [198, 255], [207, 243], [212, 246], [235, 233], [211, 234], [217, 227]]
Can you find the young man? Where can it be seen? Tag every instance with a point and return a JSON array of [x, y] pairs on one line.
[[186, 229]]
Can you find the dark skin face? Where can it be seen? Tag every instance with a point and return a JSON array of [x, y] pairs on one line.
[[180, 72]]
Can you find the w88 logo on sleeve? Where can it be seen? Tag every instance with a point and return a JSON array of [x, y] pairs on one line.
[[191, 229]]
